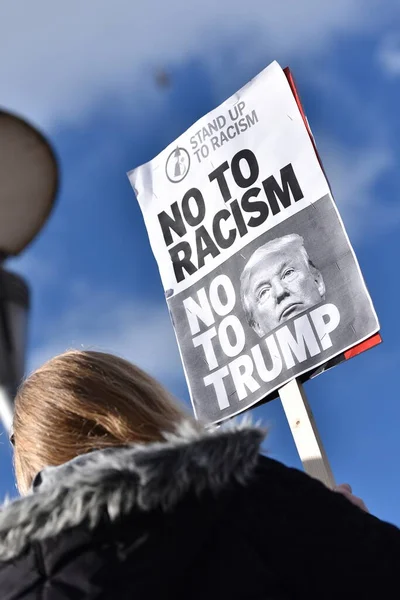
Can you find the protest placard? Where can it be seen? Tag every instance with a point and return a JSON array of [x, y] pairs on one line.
[[261, 281]]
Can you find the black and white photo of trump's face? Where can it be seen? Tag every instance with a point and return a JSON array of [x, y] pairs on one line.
[[279, 282]]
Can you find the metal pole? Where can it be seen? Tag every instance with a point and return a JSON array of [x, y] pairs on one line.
[[6, 408], [7, 366], [14, 305]]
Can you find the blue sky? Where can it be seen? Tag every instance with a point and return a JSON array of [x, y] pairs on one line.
[[85, 73]]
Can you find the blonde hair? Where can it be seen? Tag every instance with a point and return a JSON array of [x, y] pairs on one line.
[[82, 401]]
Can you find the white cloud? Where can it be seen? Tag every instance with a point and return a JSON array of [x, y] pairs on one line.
[[389, 54], [355, 170], [354, 175], [96, 319], [58, 58]]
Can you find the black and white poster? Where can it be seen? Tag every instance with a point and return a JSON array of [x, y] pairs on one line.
[[260, 278]]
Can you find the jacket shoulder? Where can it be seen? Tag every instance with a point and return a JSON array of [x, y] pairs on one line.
[[311, 535], [109, 484]]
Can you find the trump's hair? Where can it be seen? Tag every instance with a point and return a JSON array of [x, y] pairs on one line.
[[295, 241], [82, 401]]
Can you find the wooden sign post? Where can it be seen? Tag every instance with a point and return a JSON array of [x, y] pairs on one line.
[[305, 433]]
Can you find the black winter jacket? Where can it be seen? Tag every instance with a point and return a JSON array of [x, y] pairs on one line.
[[201, 516]]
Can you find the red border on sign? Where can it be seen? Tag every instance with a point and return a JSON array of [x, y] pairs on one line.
[[374, 340]]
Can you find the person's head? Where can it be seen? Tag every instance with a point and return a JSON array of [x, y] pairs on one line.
[[82, 401], [278, 282]]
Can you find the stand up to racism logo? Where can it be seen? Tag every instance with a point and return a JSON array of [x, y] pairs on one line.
[[177, 165]]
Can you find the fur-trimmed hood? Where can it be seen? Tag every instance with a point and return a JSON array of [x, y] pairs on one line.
[[116, 480]]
